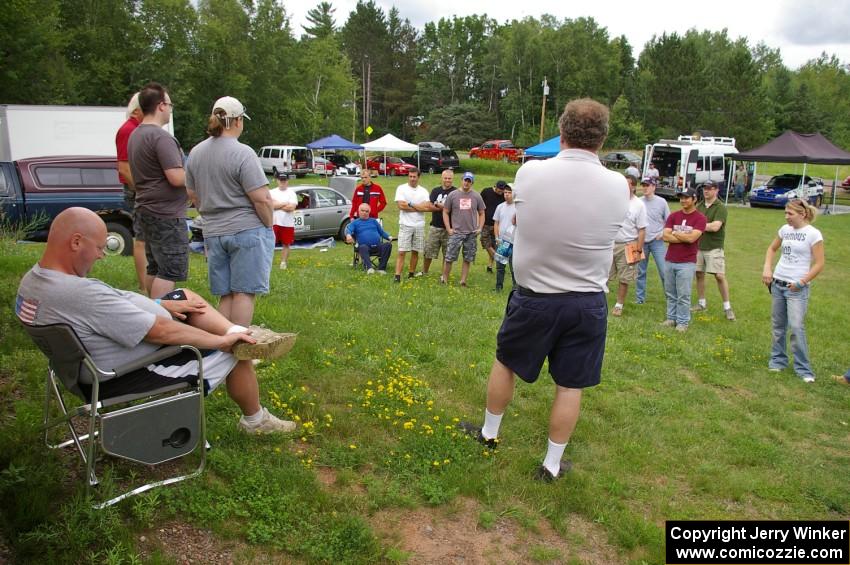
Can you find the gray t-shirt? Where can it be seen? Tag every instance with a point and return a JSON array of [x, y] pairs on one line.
[[463, 208], [150, 152], [111, 323], [222, 172], [657, 211]]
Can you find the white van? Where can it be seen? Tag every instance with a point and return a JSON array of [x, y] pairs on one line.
[[293, 159], [691, 160]]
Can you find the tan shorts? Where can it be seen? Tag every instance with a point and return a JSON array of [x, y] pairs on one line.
[[712, 261], [411, 239], [621, 271]]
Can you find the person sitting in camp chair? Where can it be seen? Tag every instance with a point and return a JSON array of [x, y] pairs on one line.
[[118, 327], [368, 235]]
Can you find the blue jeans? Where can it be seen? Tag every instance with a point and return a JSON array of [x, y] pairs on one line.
[[789, 314], [656, 250], [677, 287]]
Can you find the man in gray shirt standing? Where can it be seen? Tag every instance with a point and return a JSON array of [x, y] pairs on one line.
[[568, 210], [156, 165], [233, 197]]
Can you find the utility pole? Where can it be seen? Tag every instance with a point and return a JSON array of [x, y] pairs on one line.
[[543, 111]]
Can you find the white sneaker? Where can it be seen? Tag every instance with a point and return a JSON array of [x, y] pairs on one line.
[[808, 379], [382, 272], [283, 265], [419, 274], [269, 424], [371, 271]]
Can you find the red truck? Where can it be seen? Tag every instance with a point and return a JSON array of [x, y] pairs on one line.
[[497, 150]]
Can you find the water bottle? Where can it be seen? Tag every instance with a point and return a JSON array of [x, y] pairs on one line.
[[506, 246]]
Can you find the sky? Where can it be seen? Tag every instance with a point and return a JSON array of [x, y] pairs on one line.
[[802, 30]]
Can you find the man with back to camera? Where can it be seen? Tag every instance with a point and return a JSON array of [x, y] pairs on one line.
[[438, 237], [568, 210], [710, 256], [134, 118], [156, 165], [492, 196]]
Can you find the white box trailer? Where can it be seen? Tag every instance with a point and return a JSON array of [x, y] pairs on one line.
[[47, 131]]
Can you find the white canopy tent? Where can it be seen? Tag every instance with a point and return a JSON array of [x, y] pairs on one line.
[[390, 144]]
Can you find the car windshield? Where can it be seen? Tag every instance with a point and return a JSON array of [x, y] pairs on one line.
[[395, 160], [784, 182]]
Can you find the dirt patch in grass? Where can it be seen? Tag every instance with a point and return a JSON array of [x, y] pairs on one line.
[[455, 534], [186, 544]]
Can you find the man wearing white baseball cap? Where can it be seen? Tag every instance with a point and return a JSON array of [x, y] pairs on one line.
[[233, 197]]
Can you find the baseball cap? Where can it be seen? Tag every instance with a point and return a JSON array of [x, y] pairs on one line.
[[501, 184], [232, 107], [646, 180], [133, 105], [687, 191], [709, 184], [282, 175], [468, 176]]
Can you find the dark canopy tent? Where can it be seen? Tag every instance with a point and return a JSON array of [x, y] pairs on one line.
[[793, 147]]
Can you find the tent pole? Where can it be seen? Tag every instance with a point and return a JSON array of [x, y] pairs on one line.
[[729, 181], [834, 188]]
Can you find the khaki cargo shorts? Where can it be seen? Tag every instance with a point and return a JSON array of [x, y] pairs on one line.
[[621, 271], [712, 261]]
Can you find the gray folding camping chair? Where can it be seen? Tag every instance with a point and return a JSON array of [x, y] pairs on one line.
[[148, 427]]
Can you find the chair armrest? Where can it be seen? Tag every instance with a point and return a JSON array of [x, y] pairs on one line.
[[157, 355]]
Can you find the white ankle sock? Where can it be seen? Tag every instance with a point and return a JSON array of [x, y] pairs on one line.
[[253, 419], [727, 305], [491, 425], [618, 305], [236, 329], [554, 452], [702, 302]]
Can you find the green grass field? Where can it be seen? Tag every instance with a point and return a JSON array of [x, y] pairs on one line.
[[682, 427]]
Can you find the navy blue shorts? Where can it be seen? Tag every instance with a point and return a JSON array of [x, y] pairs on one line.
[[568, 328]]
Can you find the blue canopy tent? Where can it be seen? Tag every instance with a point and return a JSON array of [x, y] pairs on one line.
[[333, 142], [548, 148]]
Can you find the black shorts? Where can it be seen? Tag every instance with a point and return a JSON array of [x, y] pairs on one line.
[[166, 247], [130, 206], [568, 328]]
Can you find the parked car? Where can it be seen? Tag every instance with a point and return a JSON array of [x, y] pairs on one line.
[[344, 165], [322, 166], [392, 166], [782, 188], [321, 212], [497, 150], [34, 191], [431, 159], [621, 160]]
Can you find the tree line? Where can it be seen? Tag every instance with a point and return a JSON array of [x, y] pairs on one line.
[[458, 79]]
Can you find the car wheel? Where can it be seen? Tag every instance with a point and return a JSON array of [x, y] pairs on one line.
[[431, 170], [119, 240], [818, 201], [274, 172], [341, 234]]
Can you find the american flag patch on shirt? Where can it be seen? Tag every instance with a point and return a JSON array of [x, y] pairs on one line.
[[26, 309]]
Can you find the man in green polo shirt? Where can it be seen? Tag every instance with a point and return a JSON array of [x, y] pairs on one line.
[[710, 258]]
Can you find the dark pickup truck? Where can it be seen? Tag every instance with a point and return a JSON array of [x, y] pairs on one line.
[[34, 191]]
